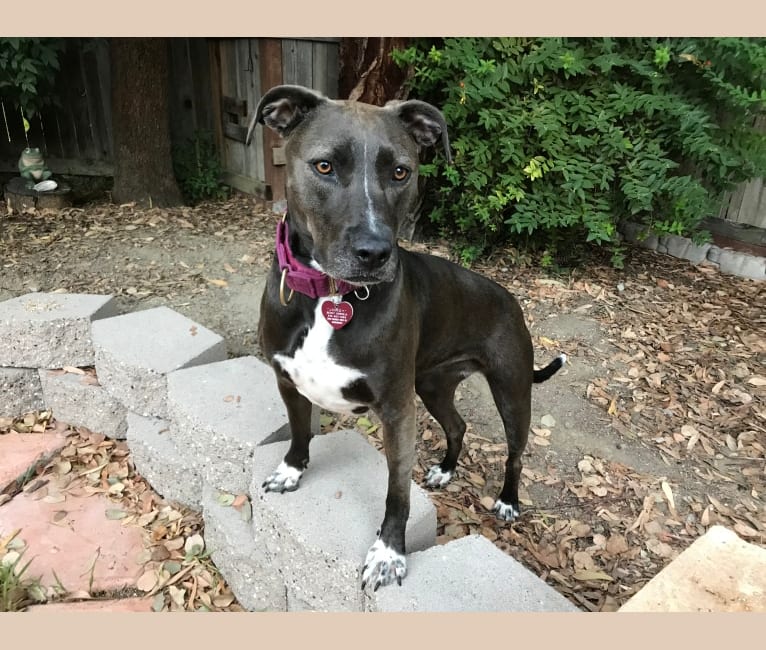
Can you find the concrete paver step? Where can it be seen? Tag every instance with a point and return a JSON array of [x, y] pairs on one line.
[[162, 462], [20, 392], [135, 352], [50, 330], [220, 412], [258, 583], [74, 399], [318, 536], [469, 574]]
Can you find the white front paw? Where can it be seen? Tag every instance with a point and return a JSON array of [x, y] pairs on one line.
[[382, 566], [505, 511], [437, 478], [284, 479]]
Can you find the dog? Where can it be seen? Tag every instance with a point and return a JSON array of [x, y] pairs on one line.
[[350, 321]]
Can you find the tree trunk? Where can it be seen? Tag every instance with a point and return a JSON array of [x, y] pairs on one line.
[[143, 166], [367, 71]]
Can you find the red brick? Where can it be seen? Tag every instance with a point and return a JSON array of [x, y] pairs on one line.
[[70, 545], [20, 451]]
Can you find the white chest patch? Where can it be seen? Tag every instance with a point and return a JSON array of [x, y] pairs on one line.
[[315, 373]]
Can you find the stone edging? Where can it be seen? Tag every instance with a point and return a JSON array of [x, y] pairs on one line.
[[727, 260], [202, 428]]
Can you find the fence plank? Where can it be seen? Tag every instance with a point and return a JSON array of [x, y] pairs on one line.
[[304, 51], [245, 65], [272, 70], [100, 144], [252, 94], [289, 61], [183, 122], [104, 74], [202, 96], [234, 160], [216, 90], [331, 69], [325, 67]]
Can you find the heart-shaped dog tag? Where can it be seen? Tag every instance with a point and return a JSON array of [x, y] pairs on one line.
[[337, 314]]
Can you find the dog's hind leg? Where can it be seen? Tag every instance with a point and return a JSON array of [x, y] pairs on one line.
[[286, 477], [437, 390], [512, 395]]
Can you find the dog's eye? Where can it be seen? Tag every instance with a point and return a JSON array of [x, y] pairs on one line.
[[324, 167], [400, 173]]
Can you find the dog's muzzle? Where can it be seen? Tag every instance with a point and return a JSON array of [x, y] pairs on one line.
[[372, 253]]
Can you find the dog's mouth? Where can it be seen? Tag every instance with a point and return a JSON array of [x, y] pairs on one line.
[[385, 273], [364, 280], [347, 271]]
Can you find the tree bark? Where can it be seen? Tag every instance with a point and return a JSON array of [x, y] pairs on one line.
[[367, 71], [143, 164]]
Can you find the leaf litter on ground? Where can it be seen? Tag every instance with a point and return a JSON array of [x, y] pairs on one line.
[[177, 571], [686, 379]]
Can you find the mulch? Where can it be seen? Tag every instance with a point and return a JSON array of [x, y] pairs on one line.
[[687, 380]]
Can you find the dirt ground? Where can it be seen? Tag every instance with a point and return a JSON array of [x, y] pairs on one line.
[[653, 432]]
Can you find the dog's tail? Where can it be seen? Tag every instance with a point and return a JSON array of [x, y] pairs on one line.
[[550, 369]]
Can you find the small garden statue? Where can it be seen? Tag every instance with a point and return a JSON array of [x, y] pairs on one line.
[[32, 165]]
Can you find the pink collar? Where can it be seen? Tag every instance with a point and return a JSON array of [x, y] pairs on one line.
[[302, 278]]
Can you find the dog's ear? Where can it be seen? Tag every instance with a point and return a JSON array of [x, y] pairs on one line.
[[283, 107], [425, 123]]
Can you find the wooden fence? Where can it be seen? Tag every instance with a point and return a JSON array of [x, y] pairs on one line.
[[76, 136], [243, 69], [215, 84], [746, 204]]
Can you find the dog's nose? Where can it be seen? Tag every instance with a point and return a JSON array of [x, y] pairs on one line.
[[373, 252]]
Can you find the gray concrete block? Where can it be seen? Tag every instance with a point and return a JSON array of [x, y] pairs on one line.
[[258, 585], [737, 263], [50, 330], [469, 574], [319, 535], [221, 412], [20, 392], [640, 235], [136, 351], [162, 462], [76, 400], [714, 254], [683, 248]]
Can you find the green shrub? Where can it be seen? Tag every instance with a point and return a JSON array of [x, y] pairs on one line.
[[198, 170], [561, 138], [28, 68]]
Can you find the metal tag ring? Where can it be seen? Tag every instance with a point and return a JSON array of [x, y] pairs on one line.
[[367, 295], [282, 290]]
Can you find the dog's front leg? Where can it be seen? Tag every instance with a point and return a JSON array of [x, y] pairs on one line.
[[385, 561], [286, 477]]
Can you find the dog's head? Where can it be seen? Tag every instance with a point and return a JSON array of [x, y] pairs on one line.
[[352, 172]]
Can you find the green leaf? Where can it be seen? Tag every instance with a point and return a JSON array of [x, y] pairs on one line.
[[172, 567], [115, 513], [225, 499]]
